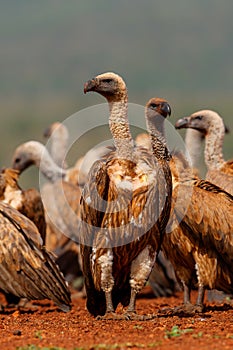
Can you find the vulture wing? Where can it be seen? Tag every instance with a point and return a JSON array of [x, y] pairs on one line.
[[91, 217], [210, 216], [27, 270]]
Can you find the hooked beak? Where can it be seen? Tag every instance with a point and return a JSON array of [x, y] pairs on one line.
[[181, 123], [166, 109], [90, 85], [47, 132]]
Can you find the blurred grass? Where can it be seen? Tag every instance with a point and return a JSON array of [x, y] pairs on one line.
[[179, 50]]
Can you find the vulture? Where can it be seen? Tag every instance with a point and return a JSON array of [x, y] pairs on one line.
[[125, 206], [206, 218], [198, 236], [61, 202], [210, 124], [176, 246], [27, 202], [59, 195], [27, 270], [162, 279]]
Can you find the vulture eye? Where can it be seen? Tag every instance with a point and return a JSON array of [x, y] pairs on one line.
[[198, 117], [154, 105], [17, 160], [108, 81]]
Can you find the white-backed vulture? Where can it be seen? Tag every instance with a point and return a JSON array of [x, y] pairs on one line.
[[210, 124], [207, 221], [60, 198], [27, 270], [59, 194], [175, 245], [121, 207], [27, 202], [194, 246], [162, 278]]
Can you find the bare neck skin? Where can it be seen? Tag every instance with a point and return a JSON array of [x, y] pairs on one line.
[[59, 140], [213, 144], [157, 139], [193, 142], [42, 159], [119, 127]]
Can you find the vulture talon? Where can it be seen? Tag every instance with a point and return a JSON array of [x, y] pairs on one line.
[[110, 316], [133, 316], [187, 309]]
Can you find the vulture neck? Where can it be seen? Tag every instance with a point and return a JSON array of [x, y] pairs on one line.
[[59, 140], [46, 165], [157, 138], [193, 142], [119, 127], [213, 145]]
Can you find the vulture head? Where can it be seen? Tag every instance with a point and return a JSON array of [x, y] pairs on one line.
[[58, 128], [109, 85], [159, 106], [202, 121], [157, 110], [26, 154]]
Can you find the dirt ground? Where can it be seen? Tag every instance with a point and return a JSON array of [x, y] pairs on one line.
[[43, 326]]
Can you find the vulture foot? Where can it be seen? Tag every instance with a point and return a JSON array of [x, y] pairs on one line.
[[110, 316], [133, 316], [187, 309], [128, 316]]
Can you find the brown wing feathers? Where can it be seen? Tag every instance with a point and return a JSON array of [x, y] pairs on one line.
[[30, 270]]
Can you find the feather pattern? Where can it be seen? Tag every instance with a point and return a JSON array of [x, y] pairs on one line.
[[120, 209], [27, 270]]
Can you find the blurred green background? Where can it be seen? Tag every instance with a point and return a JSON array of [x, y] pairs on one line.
[[181, 50]]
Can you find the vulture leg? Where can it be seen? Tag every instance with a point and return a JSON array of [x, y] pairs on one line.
[[188, 308], [131, 314], [200, 299], [186, 294], [110, 313], [107, 283], [140, 271]]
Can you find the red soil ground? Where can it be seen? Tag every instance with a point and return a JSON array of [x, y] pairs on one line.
[[45, 327]]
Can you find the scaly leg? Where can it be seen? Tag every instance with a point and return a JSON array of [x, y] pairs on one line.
[[140, 271]]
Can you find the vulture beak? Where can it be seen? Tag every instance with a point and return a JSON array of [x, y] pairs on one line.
[[47, 132], [227, 130], [181, 123], [166, 109], [90, 85]]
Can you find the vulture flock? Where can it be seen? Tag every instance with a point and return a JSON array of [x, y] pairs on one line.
[[121, 216]]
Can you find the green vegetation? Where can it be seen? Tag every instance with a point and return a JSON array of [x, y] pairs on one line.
[[95, 347], [35, 347], [38, 334], [176, 332]]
